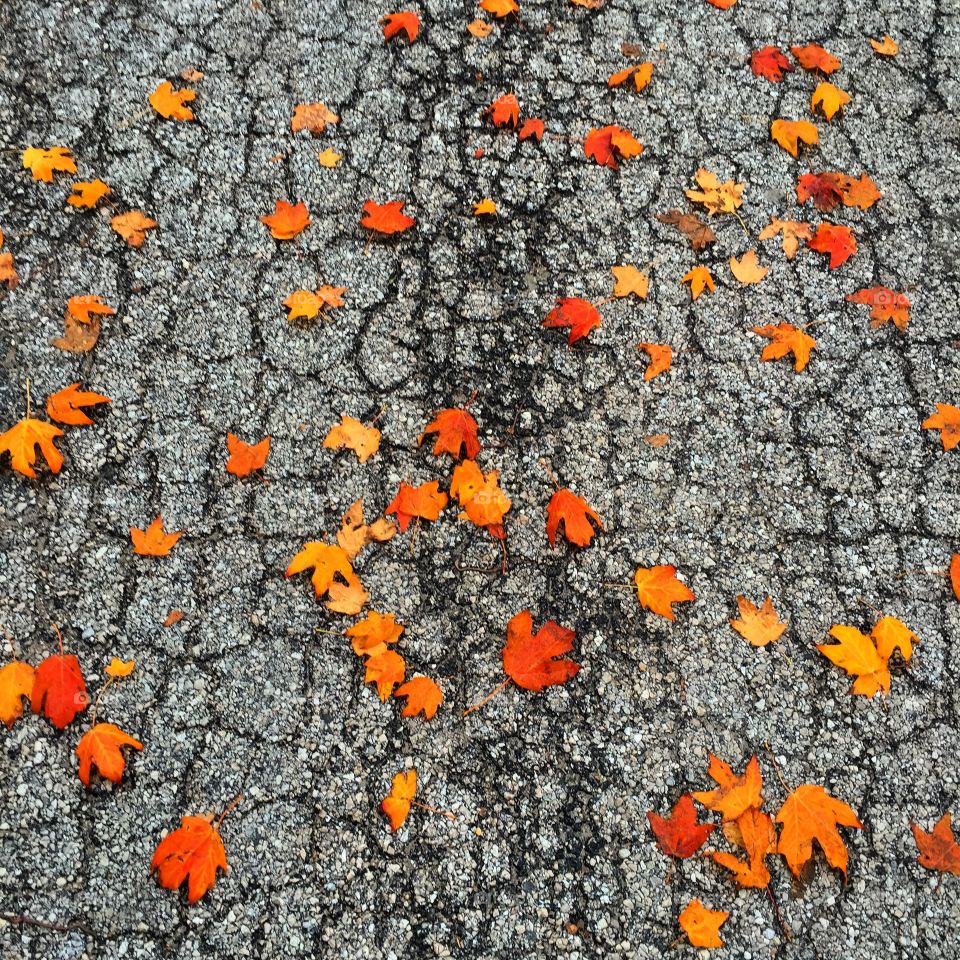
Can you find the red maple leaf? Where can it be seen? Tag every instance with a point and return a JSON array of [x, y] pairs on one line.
[[528, 657], [578, 314], [680, 835], [770, 63]]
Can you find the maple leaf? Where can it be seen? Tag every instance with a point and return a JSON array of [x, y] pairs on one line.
[[456, 432], [946, 420], [770, 63], [386, 670], [354, 534], [406, 22], [630, 280], [661, 356], [78, 337], [352, 434], [287, 220], [423, 696], [836, 241], [397, 805], [132, 226], [246, 457], [499, 8], [885, 304], [118, 668], [891, 634], [717, 197], [786, 338], [793, 232], [702, 926], [307, 304], [734, 795], [759, 626], [100, 747], [22, 440], [809, 814], [829, 189], [814, 57], [722, 4], [479, 29], [680, 835], [754, 832], [606, 143], [789, 133], [699, 279], [16, 685], [938, 848], [329, 158], [81, 308], [88, 195], [578, 314], [642, 73], [313, 117], [485, 207], [747, 269], [59, 691], [829, 98], [857, 654], [386, 218], [172, 104], [425, 501], [329, 562], [658, 589], [372, 636], [8, 272], [154, 541], [43, 163], [692, 227], [575, 514], [484, 503], [887, 47], [194, 853], [530, 659], [65, 405], [955, 574], [504, 110], [531, 127]]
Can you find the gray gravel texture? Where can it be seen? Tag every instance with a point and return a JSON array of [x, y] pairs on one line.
[[819, 488]]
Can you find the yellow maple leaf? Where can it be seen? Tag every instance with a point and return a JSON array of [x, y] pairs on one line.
[[793, 232], [747, 269], [630, 280], [88, 194], [717, 197], [789, 133], [352, 434], [829, 98], [758, 625], [485, 207], [329, 158]]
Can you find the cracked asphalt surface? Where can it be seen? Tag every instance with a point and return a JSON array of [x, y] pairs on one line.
[[819, 488]]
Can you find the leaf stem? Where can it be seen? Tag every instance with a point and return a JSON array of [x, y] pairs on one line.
[[487, 698], [776, 768], [426, 806], [553, 479], [59, 638], [776, 912], [227, 809]]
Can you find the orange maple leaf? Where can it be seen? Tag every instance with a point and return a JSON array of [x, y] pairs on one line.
[[386, 670], [89, 194], [397, 805], [661, 356], [578, 314], [770, 63], [352, 434], [790, 133], [857, 653], [641, 73], [16, 685], [425, 502], [836, 241], [607, 143], [287, 220], [679, 835], [793, 231], [722, 4], [954, 573], [504, 110], [8, 272], [629, 280], [172, 104], [333, 575], [372, 636], [531, 127], [407, 22], [699, 279], [814, 57], [308, 304], [575, 514], [65, 405], [484, 503], [658, 589], [81, 308], [246, 457], [733, 795], [154, 541], [194, 853], [758, 625], [386, 218], [887, 47], [885, 304], [43, 163], [313, 117], [938, 848], [530, 659], [747, 269], [22, 440], [753, 832], [499, 8], [77, 337], [132, 226], [100, 747], [809, 814], [702, 926], [479, 28], [119, 668], [423, 696], [456, 432], [59, 691], [946, 420], [786, 338]]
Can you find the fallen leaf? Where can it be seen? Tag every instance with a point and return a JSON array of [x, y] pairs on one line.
[[946, 420], [856, 653], [397, 805], [891, 634], [333, 575], [770, 63], [354, 534], [65, 406], [479, 493], [194, 853], [717, 197], [814, 57], [287, 220], [59, 691], [78, 337], [373, 635], [789, 133], [955, 574], [499, 8], [88, 195], [118, 668], [43, 163], [722, 4], [658, 589], [485, 207], [702, 926], [786, 338], [172, 104], [423, 696], [531, 127], [172, 618], [8, 272], [575, 514], [406, 22], [607, 143], [692, 227], [680, 835], [101, 747], [938, 848], [809, 814], [81, 308], [657, 439], [733, 795], [578, 314], [245, 458], [887, 47], [16, 685], [21, 442], [530, 659], [353, 435], [191, 74], [329, 158], [755, 833], [309, 304], [699, 279], [479, 28], [132, 226], [885, 304], [661, 356], [386, 670], [793, 232], [456, 432], [424, 502], [504, 110], [642, 73], [314, 117], [630, 280], [758, 625], [747, 269], [836, 241], [829, 98], [386, 218], [829, 189], [154, 541]]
